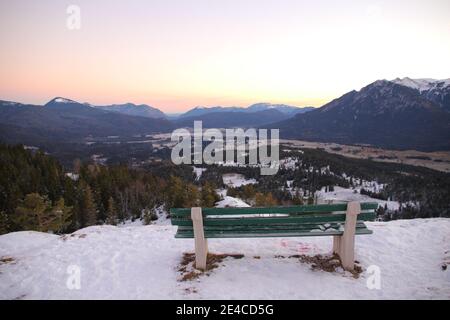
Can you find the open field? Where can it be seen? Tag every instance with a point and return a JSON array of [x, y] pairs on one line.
[[439, 160]]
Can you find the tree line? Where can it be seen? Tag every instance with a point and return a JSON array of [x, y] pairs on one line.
[[37, 193]]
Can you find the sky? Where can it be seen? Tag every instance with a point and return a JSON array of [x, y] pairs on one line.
[[175, 55]]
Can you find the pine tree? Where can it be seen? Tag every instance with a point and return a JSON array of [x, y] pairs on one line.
[[4, 223], [297, 199], [33, 213], [192, 196], [89, 209], [248, 191], [270, 201], [111, 212], [61, 216], [176, 193], [209, 196], [259, 199], [265, 200], [76, 166], [149, 215]]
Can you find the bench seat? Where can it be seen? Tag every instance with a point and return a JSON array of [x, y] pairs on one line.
[[264, 231]]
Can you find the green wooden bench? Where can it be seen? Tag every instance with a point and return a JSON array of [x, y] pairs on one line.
[[342, 221]]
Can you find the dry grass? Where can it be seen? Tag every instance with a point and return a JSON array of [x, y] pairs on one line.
[[327, 263], [187, 265]]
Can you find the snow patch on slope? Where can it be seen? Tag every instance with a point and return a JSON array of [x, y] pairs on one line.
[[198, 172], [236, 180], [345, 195], [232, 202], [63, 100]]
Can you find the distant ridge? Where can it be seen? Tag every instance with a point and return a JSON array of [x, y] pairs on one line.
[[141, 110], [398, 114], [65, 120], [285, 109]]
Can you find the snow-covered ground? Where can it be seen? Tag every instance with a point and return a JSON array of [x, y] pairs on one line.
[[236, 180], [344, 194], [140, 262], [198, 172], [231, 202]]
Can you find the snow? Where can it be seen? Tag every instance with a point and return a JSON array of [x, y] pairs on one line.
[[73, 176], [131, 223], [8, 103], [63, 100], [162, 220], [344, 195], [231, 202], [198, 172], [421, 84], [289, 163], [141, 263], [236, 180]]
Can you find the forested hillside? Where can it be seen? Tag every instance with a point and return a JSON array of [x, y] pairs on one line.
[[37, 193]]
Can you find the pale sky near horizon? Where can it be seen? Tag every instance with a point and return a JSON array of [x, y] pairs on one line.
[[175, 55]]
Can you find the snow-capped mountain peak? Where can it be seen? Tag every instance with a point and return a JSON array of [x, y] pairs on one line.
[[424, 84], [63, 100], [60, 102]]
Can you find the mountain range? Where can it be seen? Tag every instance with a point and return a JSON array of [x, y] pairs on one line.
[[64, 120], [256, 115], [398, 114], [284, 109], [233, 118]]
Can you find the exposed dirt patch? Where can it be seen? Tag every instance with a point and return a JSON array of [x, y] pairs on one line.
[[6, 260], [446, 261], [73, 235], [328, 263], [187, 265], [190, 290]]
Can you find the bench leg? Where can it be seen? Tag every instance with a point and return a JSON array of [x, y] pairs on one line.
[[347, 241], [337, 245], [201, 245]]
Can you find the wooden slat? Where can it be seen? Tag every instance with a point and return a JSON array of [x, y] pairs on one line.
[[328, 218], [268, 229], [268, 235], [321, 208], [271, 227]]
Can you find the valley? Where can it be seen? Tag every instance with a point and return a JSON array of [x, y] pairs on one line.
[[392, 134]]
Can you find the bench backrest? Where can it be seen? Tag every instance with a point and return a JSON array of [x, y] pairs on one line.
[[292, 215]]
